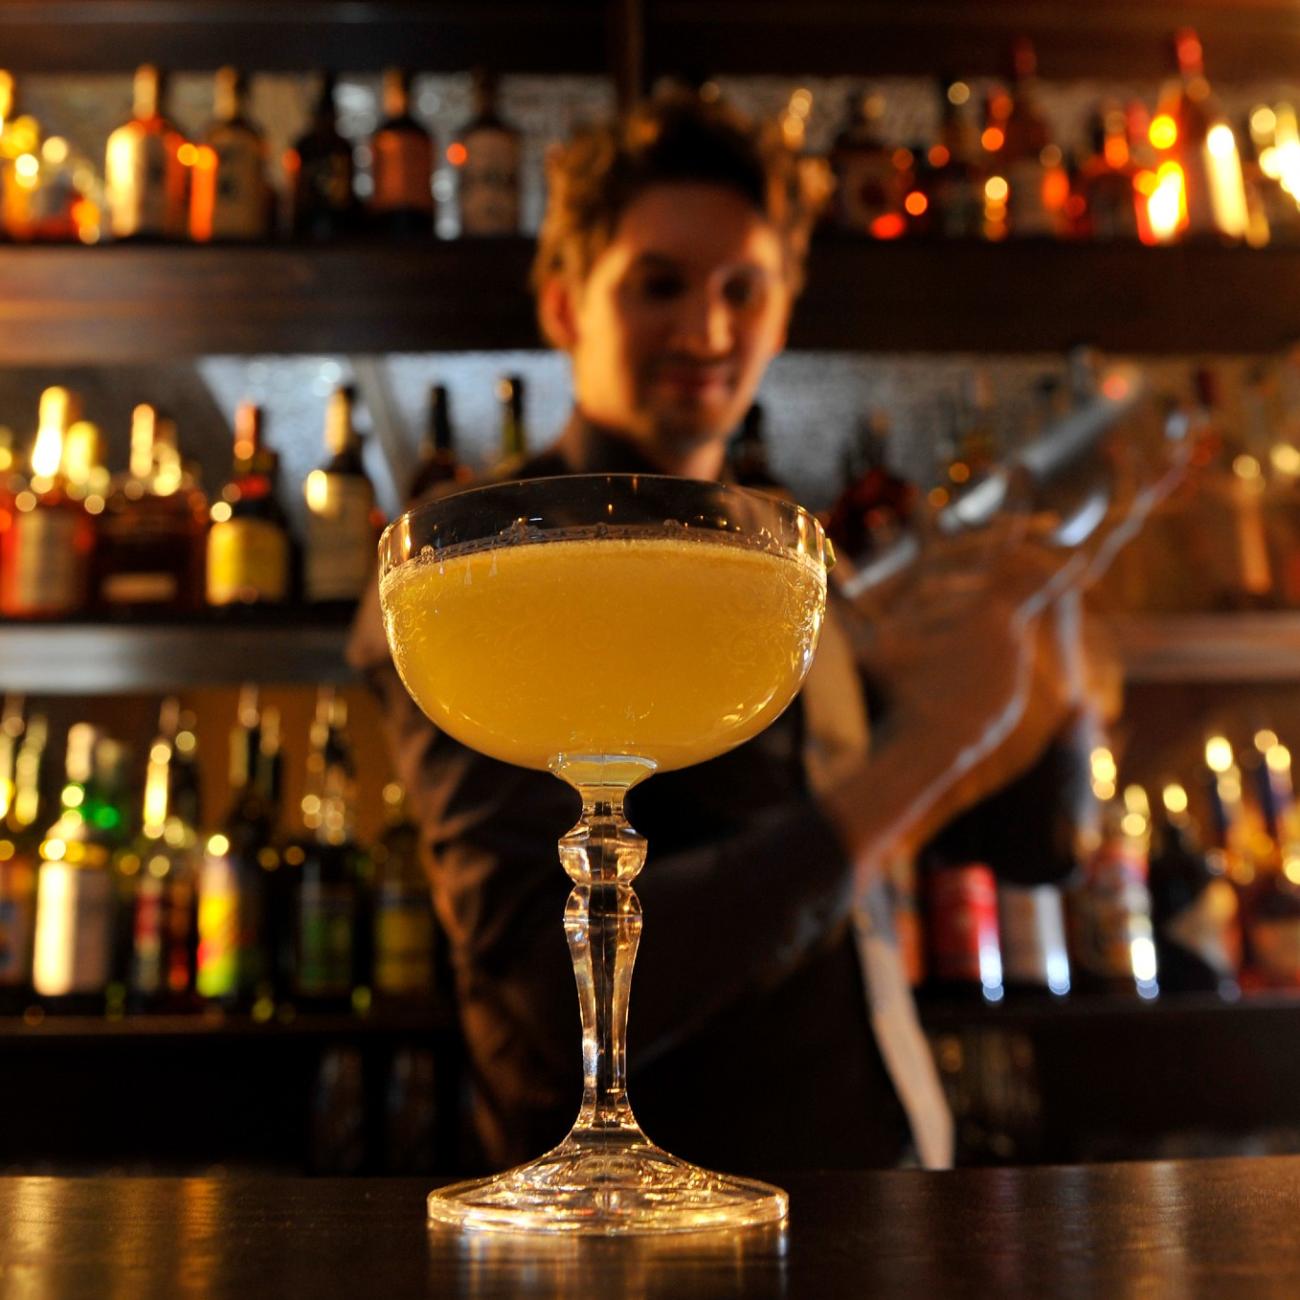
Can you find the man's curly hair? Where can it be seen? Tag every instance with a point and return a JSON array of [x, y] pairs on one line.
[[674, 137]]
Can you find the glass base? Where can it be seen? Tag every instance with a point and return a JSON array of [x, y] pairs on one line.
[[608, 1186]]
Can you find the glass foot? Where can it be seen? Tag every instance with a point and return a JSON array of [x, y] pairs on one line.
[[608, 1187]]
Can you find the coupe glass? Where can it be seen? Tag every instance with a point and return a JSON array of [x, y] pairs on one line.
[[603, 628]]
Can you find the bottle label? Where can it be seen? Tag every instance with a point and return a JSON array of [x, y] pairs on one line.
[[17, 914], [1027, 210], [869, 186], [73, 930], [326, 914], [1275, 948], [489, 184], [403, 172], [1208, 927], [48, 571], [1110, 915], [147, 957], [227, 960], [248, 560], [403, 941], [136, 181], [340, 540], [1032, 926], [964, 945], [239, 208], [140, 588]]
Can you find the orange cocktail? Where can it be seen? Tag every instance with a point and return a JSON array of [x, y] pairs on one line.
[[668, 649]]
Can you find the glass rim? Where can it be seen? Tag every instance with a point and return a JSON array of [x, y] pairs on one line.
[[792, 510]]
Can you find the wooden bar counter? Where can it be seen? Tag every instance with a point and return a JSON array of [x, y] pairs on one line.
[[1196, 1228]]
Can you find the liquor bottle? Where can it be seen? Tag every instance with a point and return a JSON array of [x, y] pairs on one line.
[[41, 198], [1194, 908], [233, 967], [514, 430], [747, 456], [249, 552], [1270, 208], [318, 170], [229, 195], [72, 959], [875, 505], [145, 181], [1023, 154], [438, 461], [953, 182], [45, 552], [1107, 181], [401, 197], [963, 947], [404, 924], [21, 751], [343, 523], [869, 185], [153, 531], [332, 940], [1197, 147], [164, 864], [1112, 946], [486, 158]]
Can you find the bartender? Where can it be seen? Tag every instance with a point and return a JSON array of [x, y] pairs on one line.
[[770, 1027]]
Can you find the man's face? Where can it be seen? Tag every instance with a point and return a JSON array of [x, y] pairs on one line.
[[678, 318]]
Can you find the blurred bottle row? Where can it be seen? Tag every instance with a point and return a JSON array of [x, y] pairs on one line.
[[994, 170], [77, 540], [1195, 890], [120, 899], [156, 185]]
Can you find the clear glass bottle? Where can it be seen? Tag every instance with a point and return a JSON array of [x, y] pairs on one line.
[[401, 196], [146, 183], [343, 521], [229, 193], [486, 158]]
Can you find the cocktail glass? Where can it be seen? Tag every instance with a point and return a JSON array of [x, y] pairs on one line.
[[603, 628]]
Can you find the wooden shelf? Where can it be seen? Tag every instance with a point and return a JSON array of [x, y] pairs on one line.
[[73, 36], [1209, 647], [76, 306], [1244, 39], [103, 659]]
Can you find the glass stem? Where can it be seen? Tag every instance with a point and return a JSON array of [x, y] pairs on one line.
[[602, 920]]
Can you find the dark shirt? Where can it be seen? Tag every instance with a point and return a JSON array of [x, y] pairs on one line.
[[749, 1042]]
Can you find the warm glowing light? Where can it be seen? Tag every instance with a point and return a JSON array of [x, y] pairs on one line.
[[1167, 206], [801, 101], [889, 225], [1218, 754], [1136, 801], [1265, 739], [1227, 188], [221, 512], [218, 846], [939, 155], [1115, 387], [1246, 467], [1174, 798], [958, 93], [959, 472], [916, 203], [1263, 121], [187, 155], [1134, 825], [1278, 758], [1102, 763], [903, 159], [937, 497], [27, 166], [996, 189], [1291, 869], [457, 154], [1104, 790], [55, 151], [1163, 132], [1286, 459], [1270, 162], [993, 138], [316, 490]]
